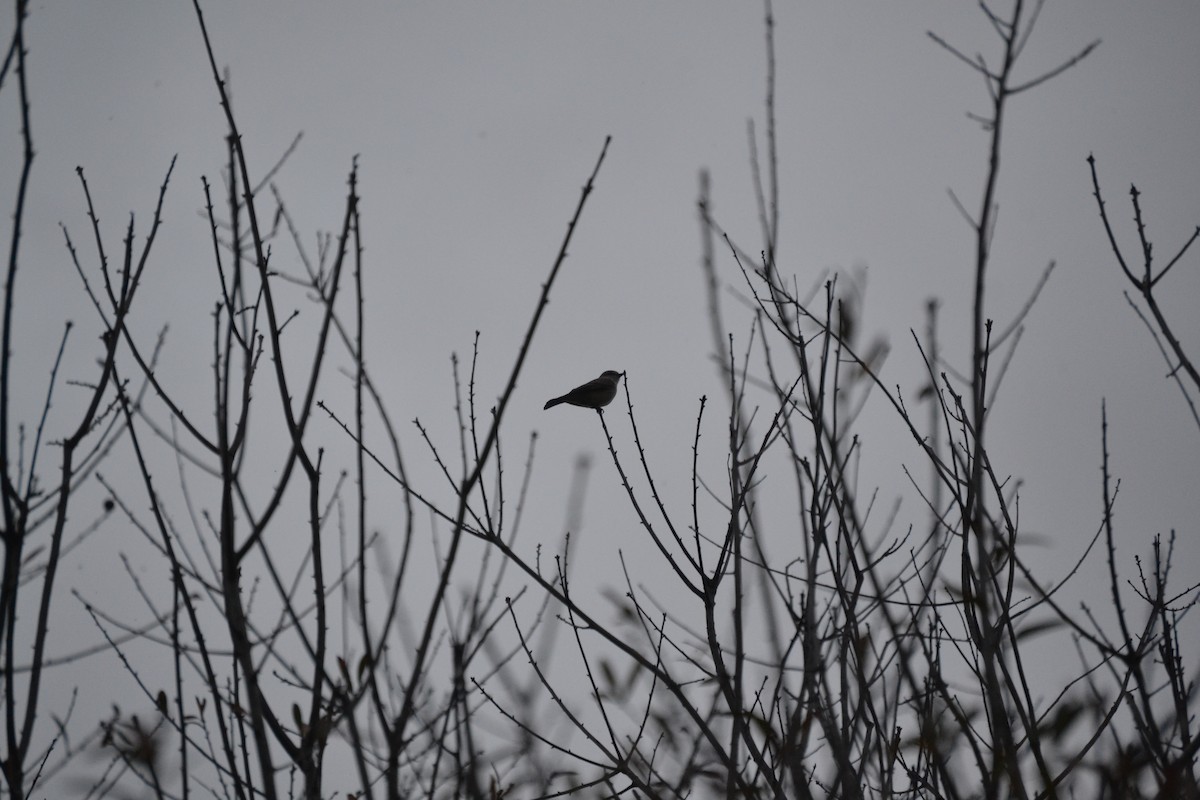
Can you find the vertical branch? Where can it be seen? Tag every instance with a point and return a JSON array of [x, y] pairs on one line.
[[10, 498], [9, 493]]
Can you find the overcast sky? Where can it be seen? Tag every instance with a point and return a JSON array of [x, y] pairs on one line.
[[477, 123]]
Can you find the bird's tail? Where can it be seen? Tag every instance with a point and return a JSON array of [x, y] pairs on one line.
[[554, 402]]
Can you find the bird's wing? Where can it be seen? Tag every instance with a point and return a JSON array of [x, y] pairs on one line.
[[595, 385]]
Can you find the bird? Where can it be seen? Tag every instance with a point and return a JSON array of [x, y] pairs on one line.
[[593, 394]]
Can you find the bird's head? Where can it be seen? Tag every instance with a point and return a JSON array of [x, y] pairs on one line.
[[612, 375]]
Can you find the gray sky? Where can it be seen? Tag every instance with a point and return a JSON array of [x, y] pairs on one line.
[[476, 125]]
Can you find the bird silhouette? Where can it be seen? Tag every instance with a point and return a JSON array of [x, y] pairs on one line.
[[593, 394]]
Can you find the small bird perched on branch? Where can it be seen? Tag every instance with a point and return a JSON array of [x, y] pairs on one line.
[[592, 394]]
